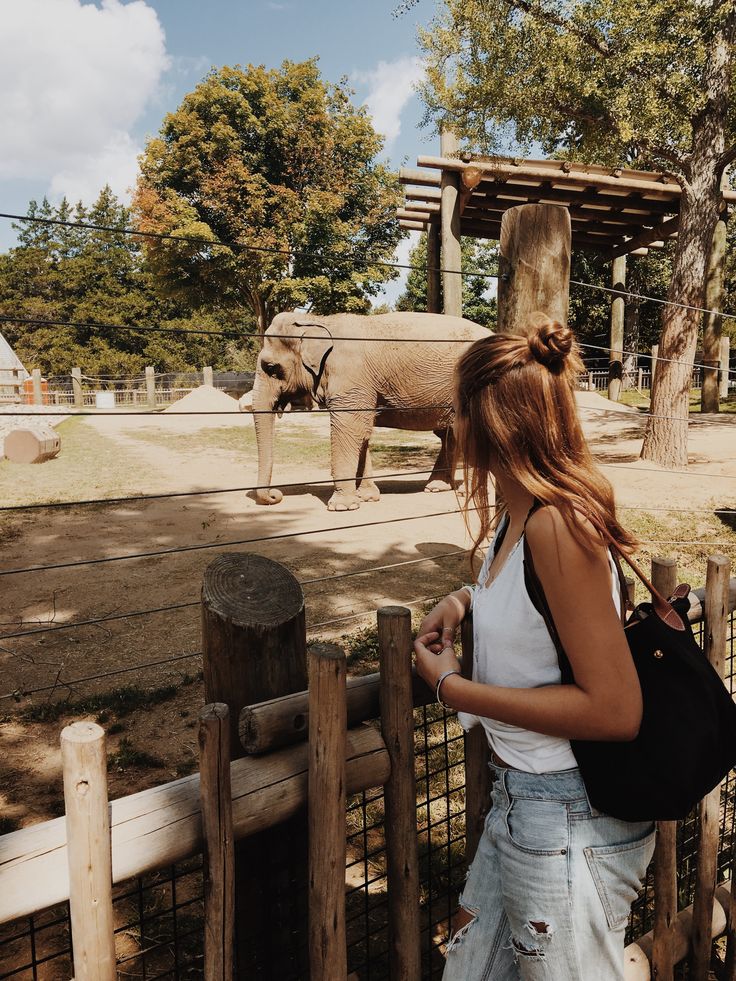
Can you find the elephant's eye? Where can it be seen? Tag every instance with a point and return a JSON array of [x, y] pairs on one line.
[[270, 368]]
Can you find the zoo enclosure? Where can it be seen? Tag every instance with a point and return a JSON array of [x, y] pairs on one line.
[[160, 917]]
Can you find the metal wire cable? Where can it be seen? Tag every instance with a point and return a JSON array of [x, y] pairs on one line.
[[207, 545], [181, 606], [205, 493]]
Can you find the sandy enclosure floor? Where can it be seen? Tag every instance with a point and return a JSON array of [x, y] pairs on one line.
[[171, 453]]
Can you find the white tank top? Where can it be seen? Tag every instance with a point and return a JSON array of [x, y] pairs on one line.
[[512, 648]]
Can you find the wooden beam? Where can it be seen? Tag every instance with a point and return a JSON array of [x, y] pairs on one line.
[[422, 216], [410, 175], [156, 828], [414, 226], [569, 195], [652, 238], [430, 207], [481, 202], [422, 194]]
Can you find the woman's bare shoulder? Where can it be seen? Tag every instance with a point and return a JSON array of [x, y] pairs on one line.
[[551, 537]]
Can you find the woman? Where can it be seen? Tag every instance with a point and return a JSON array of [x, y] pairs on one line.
[[550, 889]]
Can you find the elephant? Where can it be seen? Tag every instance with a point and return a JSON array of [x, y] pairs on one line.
[[398, 366]]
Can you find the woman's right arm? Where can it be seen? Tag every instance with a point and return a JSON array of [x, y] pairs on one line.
[[446, 617]]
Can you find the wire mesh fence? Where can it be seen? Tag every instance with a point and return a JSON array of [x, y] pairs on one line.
[[159, 916]]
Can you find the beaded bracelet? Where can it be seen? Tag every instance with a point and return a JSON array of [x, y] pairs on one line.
[[438, 686]]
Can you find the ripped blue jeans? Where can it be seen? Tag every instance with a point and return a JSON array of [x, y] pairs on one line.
[[551, 885]]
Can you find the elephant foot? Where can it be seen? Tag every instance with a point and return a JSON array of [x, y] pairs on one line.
[[437, 485], [343, 502], [368, 491]]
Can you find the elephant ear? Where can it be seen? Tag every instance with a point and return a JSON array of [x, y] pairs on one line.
[[316, 344]]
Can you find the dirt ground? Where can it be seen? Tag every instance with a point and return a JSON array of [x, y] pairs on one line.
[[152, 725]]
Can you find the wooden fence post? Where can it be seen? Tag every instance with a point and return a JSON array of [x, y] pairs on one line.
[[254, 648], [477, 756], [37, 390], [664, 578], [215, 798], [397, 726], [452, 280], [151, 387], [208, 376], [534, 265], [716, 634], [77, 386], [326, 812], [84, 763], [640, 380]]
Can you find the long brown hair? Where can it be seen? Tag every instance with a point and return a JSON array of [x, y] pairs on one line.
[[515, 409]]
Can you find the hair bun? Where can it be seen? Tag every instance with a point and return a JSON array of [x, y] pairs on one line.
[[550, 342]]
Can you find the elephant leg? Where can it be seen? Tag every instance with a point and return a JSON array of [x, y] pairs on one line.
[[349, 434], [442, 477], [367, 488]]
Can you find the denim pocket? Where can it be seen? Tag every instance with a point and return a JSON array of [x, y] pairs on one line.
[[538, 827], [618, 872]]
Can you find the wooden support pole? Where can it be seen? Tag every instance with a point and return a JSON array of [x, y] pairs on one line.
[[534, 265], [215, 797], [618, 314], [640, 380], [716, 635], [655, 355], [477, 772], [713, 320], [452, 280], [151, 387], [326, 810], [725, 358], [402, 859], [254, 647], [664, 579], [77, 386], [434, 276], [208, 376], [37, 390], [84, 763]]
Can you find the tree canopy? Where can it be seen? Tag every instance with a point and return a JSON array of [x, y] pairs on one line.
[[623, 83], [281, 164], [83, 275]]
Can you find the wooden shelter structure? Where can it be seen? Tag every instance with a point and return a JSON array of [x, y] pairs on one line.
[[12, 373], [612, 211]]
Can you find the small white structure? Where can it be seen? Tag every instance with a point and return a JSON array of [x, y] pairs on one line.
[[12, 373]]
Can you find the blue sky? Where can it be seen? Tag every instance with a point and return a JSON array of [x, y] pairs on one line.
[[83, 83]]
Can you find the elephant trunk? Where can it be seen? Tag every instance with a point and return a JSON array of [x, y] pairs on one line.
[[263, 420]]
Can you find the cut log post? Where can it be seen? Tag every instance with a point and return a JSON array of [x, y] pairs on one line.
[[208, 376], [591, 382], [84, 763], [37, 386], [725, 358], [664, 579], [713, 319], [254, 647], [77, 387], [151, 387], [716, 635], [402, 859], [434, 275], [35, 445], [477, 772], [640, 380], [326, 810], [452, 280], [215, 797], [534, 265], [618, 316]]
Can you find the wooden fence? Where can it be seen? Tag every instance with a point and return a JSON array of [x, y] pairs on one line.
[[280, 761]]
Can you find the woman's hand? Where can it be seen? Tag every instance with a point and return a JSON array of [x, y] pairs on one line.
[[444, 620], [431, 666]]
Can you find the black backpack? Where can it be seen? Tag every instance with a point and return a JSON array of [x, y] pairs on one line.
[[687, 740]]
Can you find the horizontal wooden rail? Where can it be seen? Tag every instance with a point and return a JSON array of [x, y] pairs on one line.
[[283, 721], [161, 826]]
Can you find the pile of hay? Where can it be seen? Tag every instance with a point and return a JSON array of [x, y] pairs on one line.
[[205, 399]]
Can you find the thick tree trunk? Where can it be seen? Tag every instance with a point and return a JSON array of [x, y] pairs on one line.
[[665, 440]]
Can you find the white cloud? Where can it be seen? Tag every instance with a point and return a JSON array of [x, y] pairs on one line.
[[390, 86], [74, 79]]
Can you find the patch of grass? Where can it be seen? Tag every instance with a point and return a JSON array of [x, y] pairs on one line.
[[127, 755], [642, 400], [90, 465], [119, 702]]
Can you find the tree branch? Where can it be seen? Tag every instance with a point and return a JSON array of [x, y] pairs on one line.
[[534, 9], [727, 157]]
